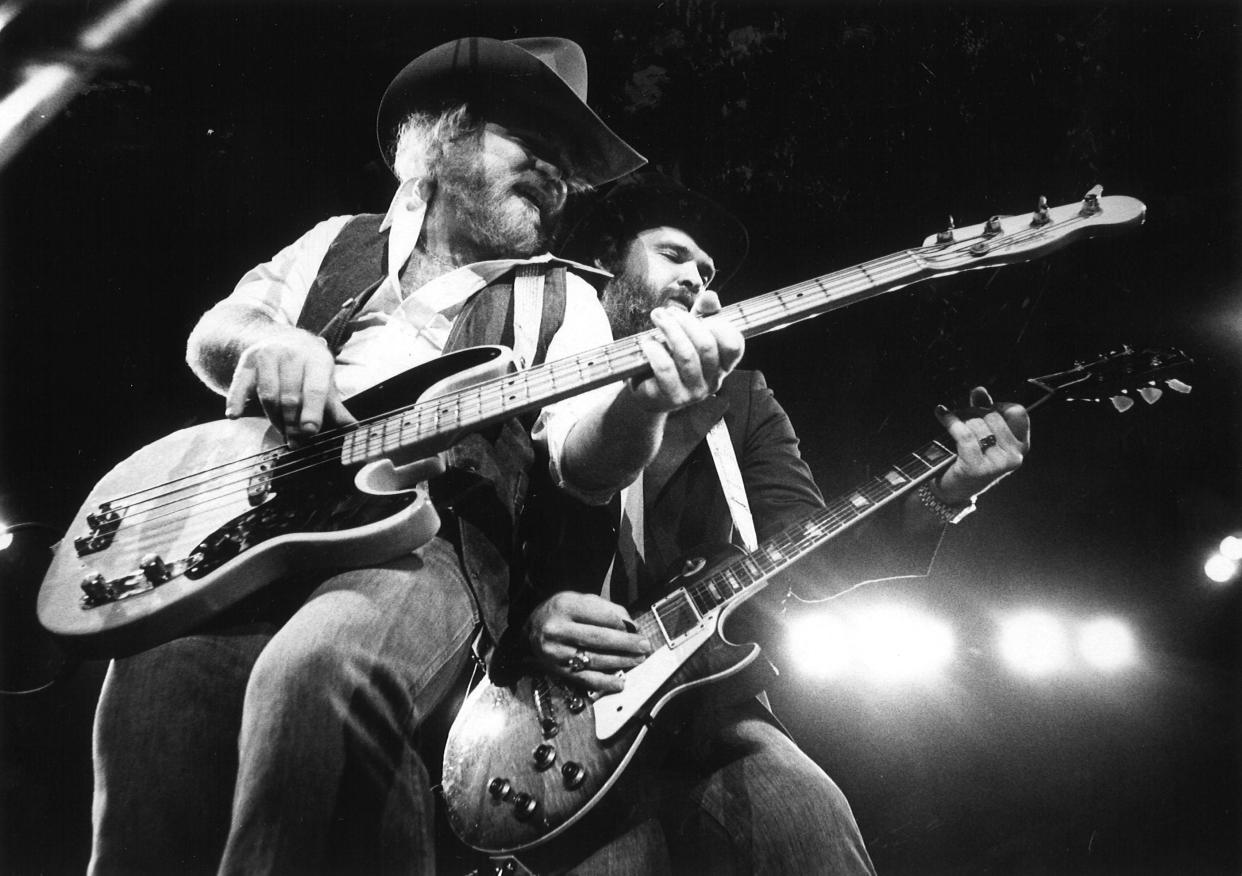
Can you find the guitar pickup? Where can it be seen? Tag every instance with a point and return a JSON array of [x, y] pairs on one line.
[[103, 524]]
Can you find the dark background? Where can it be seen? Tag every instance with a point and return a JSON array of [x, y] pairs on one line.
[[840, 134]]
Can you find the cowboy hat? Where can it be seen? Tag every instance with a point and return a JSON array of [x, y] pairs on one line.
[[651, 200], [536, 81]]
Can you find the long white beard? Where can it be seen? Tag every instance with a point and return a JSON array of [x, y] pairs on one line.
[[489, 212]]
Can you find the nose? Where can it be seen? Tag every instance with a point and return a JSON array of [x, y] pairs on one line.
[[689, 277], [547, 168]]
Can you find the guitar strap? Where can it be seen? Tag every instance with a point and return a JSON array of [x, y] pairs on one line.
[[621, 584], [731, 482], [527, 312]]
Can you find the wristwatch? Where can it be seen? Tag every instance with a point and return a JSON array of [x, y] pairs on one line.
[[943, 510]]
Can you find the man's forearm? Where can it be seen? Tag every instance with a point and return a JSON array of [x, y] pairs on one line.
[[222, 335], [612, 443]]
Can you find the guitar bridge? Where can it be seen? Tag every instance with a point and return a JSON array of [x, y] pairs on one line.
[[151, 573]]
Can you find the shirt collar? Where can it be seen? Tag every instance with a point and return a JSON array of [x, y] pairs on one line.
[[404, 223]]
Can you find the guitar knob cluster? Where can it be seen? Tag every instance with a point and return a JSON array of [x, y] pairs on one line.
[[544, 756], [574, 774]]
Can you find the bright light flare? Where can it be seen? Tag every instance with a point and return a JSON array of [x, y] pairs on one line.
[[895, 643], [822, 645], [1107, 644], [6, 537], [1220, 568], [1034, 643], [888, 643], [1231, 548]]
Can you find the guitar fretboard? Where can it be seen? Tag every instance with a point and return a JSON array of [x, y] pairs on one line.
[[435, 424], [676, 614]]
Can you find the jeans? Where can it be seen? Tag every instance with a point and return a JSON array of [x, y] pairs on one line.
[[290, 749], [735, 796]]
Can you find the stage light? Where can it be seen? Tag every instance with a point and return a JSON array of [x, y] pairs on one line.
[[6, 536], [1220, 568], [896, 643], [1034, 643], [1231, 548], [821, 645], [1107, 644]]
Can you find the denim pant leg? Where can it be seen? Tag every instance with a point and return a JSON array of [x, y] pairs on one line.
[[328, 777], [166, 753], [765, 807]]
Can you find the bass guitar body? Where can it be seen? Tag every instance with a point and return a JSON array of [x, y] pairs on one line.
[[196, 521], [528, 758]]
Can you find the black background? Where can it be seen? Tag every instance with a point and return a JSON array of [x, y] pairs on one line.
[[839, 134]]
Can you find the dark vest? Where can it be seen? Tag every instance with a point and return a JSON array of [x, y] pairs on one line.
[[485, 489]]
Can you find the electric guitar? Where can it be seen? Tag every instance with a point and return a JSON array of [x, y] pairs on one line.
[[527, 759], [198, 520]]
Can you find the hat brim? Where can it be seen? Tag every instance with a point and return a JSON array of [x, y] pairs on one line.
[[506, 83]]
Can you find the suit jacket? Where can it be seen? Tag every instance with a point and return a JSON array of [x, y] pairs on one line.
[[685, 508]]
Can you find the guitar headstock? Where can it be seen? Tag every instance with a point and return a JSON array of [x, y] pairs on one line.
[[1008, 239], [1119, 377]]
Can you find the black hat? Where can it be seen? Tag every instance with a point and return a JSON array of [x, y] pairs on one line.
[[540, 81], [650, 200]]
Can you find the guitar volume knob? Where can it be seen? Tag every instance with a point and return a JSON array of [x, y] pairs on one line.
[[544, 756], [501, 789], [524, 806], [574, 774]]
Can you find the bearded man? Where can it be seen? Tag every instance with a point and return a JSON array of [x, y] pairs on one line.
[[282, 739], [736, 794]]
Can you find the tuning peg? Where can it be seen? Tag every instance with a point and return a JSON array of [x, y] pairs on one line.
[[1177, 386], [1091, 201], [1151, 394], [993, 227], [1122, 403], [1040, 217], [946, 236]]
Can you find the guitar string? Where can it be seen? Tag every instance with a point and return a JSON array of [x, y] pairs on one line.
[[302, 460], [807, 534], [813, 531], [296, 461]]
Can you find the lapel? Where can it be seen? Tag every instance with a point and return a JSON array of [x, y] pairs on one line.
[[682, 433]]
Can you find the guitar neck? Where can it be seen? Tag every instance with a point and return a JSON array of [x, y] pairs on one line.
[[431, 426], [434, 424], [742, 578], [747, 575]]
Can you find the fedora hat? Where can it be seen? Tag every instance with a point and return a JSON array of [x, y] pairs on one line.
[[650, 200], [535, 81]]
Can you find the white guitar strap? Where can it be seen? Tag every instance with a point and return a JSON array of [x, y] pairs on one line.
[[731, 480], [527, 312]]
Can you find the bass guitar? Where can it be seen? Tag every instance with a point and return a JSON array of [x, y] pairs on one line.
[[527, 759], [198, 520]]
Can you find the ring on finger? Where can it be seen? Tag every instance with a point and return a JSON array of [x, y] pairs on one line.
[[987, 441], [579, 661]]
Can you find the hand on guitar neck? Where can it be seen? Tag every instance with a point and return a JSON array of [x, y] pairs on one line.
[[991, 442]]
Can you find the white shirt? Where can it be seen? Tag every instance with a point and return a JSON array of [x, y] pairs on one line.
[[393, 334]]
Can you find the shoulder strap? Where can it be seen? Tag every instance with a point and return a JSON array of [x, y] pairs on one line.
[[731, 481], [351, 271]]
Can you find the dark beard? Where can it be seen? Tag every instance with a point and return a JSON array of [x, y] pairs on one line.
[[628, 305], [488, 212]]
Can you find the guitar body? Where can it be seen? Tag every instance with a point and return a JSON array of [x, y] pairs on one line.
[[497, 734], [226, 513]]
